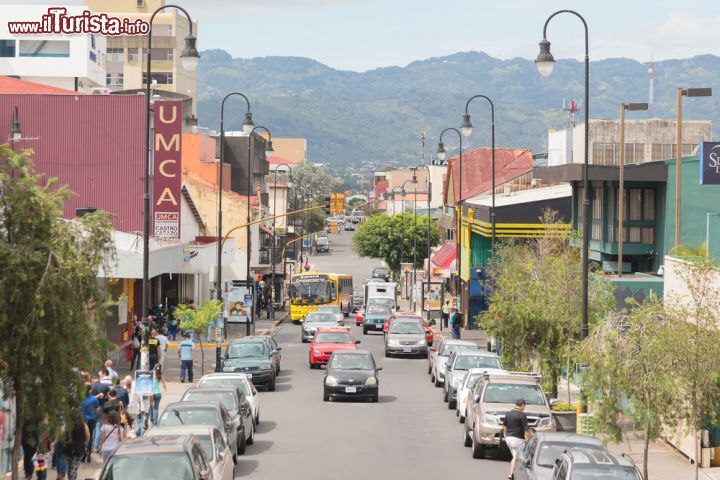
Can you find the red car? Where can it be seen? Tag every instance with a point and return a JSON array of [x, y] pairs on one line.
[[360, 316], [326, 341], [429, 336]]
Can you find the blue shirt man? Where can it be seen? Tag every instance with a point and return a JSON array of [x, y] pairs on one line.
[[186, 354]]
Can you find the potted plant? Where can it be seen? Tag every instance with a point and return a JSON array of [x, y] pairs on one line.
[[565, 416]]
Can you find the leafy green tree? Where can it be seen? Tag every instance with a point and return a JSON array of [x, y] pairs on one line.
[[381, 236], [50, 298], [198, 319], [630, 373]]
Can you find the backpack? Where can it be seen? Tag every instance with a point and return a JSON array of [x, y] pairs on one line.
[[458, 320]]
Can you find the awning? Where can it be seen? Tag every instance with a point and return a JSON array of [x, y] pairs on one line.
[[446, 255]]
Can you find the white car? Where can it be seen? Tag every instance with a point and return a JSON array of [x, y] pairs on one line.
[[439, 355], [465, 387], [212, 443], [335, 310], [234, 380]]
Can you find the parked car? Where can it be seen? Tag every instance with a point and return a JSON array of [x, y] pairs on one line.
[[465, 386], [216, 449], [335, 310], [237, 406], [375, 317], [205, 413], [275, 350], [170, 456], [314, 321], [381, 272], [495, 395], [461, 361], [253, 358], [351, 374], [438, 357], [238, 381], [537, 460], [327, 341], [359, 316], [405, 337], [580, 465]]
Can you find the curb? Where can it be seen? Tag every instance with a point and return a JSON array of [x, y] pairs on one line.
[[275, 324]]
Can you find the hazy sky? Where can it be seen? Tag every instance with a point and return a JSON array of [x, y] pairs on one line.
[[365, 34]]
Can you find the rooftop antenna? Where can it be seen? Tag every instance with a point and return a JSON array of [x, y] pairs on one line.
[[572, 109]]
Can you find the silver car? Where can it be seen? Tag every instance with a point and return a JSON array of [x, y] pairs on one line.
[[335, 310], [236, 380], [439, 355], [406, 338], [465, 387], [461, 361], [538, 457], [315, 320]]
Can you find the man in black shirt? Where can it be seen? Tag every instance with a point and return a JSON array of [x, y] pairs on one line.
[[153, 349], [516, 430]]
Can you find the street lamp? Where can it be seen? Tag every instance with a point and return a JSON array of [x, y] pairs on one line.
[[441, 156], [248, 118], [682, 92], [429, 196], [466, 129], [248, 278], [621, 189], [189, 57], [272, 261], [545, 63]]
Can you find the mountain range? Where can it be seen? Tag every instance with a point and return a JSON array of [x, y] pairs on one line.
[[365, 120]]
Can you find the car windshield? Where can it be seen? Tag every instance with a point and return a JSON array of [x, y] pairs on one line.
[[352, 362], [549, 451], [247, 349], [603, 472], [226, 398], [332, 309], [328, 337], [313, 291], [471, 379], [320, 317], [466, 362], [381, 271], [168, 466], [509, 393], [378, 310], [177, 416], [450, 348], [406, 328], [231, 382]]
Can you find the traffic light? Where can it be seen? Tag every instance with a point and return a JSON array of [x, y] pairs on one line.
[[329, 203]]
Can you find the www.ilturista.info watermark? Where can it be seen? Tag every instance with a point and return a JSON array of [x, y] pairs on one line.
[[57, 21]]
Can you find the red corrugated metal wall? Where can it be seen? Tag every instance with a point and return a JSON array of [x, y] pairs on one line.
[[93, 143]]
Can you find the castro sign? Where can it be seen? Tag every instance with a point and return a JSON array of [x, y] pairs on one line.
[[168, 175], [710, 163]]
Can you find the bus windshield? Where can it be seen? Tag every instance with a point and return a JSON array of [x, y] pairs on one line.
[[313, 291]]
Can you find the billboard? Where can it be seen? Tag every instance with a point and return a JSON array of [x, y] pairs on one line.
[[710, 163], [167, 137]]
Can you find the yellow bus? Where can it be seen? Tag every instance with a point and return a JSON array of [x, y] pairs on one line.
[[310, 289]]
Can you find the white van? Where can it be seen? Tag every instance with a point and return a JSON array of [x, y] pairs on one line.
[[380, 289]]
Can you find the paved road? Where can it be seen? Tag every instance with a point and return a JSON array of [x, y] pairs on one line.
[[409, 434]]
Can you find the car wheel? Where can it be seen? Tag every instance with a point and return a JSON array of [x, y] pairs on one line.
[[296, 322], [242, 444], [478, 450], [326, 397], [251, 439], [445, 395], [452, 404], [234, 459], [438, 383], [364, 331], [432, 379], [461, 418], [257, 418], [387, 355], [467, 441], [375, 399], [271, 385]]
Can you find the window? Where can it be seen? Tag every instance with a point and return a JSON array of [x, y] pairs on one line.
[[133, 55], [649, 204], [648, 235], [635, 204], [45, 48], [93, 56], [7, 48], [160, 78], [597, 203], [114, 79], [162, 31], [159, 54], [635, 234], [115, 54]]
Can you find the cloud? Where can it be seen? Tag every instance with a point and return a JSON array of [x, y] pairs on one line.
[[210, 10], [682, 34]]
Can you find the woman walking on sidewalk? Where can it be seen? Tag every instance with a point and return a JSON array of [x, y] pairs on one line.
[[158, 380], [112, 434]]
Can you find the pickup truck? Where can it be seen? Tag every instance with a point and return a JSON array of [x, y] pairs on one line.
[[322, 244]]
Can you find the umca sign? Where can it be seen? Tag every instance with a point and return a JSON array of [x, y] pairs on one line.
[[710, 163]]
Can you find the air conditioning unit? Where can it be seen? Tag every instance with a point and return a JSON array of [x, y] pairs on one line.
[[100, 91]]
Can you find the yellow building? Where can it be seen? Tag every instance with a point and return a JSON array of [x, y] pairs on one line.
[[126, 61]]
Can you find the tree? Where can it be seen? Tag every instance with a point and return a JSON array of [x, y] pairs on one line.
[[50, 298], [198, 319], [381, 236], [630, 373]]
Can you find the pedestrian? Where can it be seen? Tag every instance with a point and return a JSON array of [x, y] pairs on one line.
[[138, 409], [100, 390], [172, 323], [445, 313], [105, 377], [29, 442], [454, 322], [516, 430], [158, 380], [163, 347], [77, 439], [59, 459], [112, 434], [108, 365], [186, 352], [91, 410], [137, 337], [153, 349], [123, 390]]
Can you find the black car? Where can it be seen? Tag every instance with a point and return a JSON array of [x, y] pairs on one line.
[[351, 374], [349, 227], [382, 273], [253, 357]]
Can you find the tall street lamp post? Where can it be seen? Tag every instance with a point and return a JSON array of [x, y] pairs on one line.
[[466, 129], [441, 154], [247, 127], [682, 92], [545, 63], [621, 189], [429, 197], [249, 279], [189, 57], [272, 261]]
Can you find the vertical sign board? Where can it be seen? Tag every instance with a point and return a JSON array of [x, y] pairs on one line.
[[710, 163], [167, 168]]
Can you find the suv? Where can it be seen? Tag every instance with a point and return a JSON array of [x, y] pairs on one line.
[[381, 272], [582, 464], [492, 397], [461, 361], [254, 357]]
